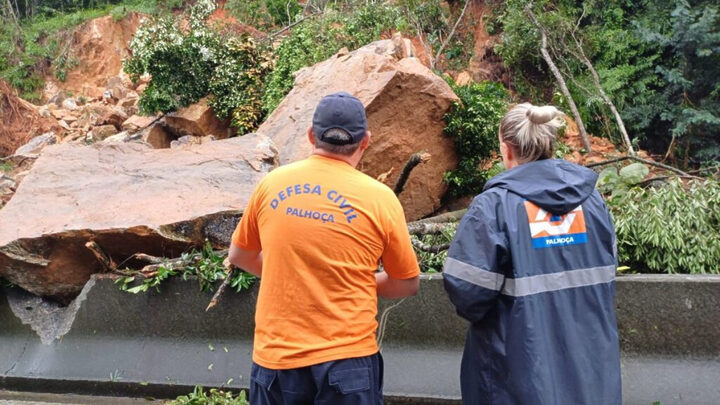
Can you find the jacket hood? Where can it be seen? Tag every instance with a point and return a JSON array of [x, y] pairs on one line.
[[554, 185]]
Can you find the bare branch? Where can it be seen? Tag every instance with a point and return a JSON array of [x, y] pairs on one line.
[[414, 160], [604, 96], [216, 297], [429, 228], [452, 32], [442, 218], [102, 257], [426, 247], [559, 78], [645, 161]]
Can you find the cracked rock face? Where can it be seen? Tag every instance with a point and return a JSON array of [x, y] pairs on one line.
[[129, 199], [405, 104]]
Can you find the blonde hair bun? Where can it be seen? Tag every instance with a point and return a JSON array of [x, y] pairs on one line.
[[543, 114]]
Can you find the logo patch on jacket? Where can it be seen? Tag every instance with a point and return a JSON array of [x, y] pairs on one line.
[[548, 230]]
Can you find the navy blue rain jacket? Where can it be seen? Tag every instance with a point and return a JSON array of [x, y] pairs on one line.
[[532, 267]]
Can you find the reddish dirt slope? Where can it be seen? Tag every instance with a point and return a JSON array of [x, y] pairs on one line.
[[19, 121], [484, 64], [99, 46]]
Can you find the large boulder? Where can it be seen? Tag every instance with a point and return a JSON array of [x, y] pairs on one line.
[[405, 103], [128, 198], [197, 120]]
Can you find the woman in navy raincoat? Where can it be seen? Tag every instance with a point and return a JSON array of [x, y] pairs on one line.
[[532, 267]]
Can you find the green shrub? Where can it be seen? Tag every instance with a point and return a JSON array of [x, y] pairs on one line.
[[265, 13], [212, 397], [187, 64], [316, 39], [669, 229], [473, 123]]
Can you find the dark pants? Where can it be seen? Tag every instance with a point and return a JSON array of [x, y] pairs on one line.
[[355, 381]]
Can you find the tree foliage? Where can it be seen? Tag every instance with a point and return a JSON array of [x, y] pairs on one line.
[[657, 61], [189, 61], [473, 123], [669, 229]]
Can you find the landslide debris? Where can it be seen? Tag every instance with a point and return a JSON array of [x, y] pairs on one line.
[[128, 198]]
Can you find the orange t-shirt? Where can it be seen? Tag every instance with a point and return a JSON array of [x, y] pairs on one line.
[[322, 227]]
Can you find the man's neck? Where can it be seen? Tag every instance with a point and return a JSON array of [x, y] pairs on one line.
[[352, 160]]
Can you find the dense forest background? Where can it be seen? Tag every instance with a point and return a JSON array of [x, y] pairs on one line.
[[656, 60], [644, 75]]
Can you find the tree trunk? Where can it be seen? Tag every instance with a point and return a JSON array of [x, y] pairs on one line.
[[452, 32], [13, 16], [596, 79], [560, 80]]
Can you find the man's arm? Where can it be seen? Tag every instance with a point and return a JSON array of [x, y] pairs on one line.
[[388, 287], [248, 260]]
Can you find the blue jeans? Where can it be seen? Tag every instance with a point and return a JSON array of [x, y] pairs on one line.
[[356, 381]]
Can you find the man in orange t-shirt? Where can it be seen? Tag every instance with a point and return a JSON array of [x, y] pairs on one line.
[[315, 231]]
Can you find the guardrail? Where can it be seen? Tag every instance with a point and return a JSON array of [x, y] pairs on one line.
[[162, 343]]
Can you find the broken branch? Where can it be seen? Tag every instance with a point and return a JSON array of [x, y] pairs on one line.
[[641, 160], [414, 160], [426, 247], [102, 257], [446, 217], [429, 228], [216, 297]]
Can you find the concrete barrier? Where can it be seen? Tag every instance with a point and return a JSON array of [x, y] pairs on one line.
[[162, 343]]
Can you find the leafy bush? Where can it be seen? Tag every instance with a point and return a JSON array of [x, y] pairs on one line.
[[190, 61], [617, 184], [265, 13], [316, 39], [212, 397], [669, 229], [473, 122]]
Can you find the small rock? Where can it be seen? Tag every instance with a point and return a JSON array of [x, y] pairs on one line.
[[7, 185], [64, 124], [101, 133], [189, 140], [108, 97], [36, 144], [57, 114], [121, 137], [44, 112], [136, 123], [57, 99], [157, 137], [198, 120], [69, 104], [463, 78]]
